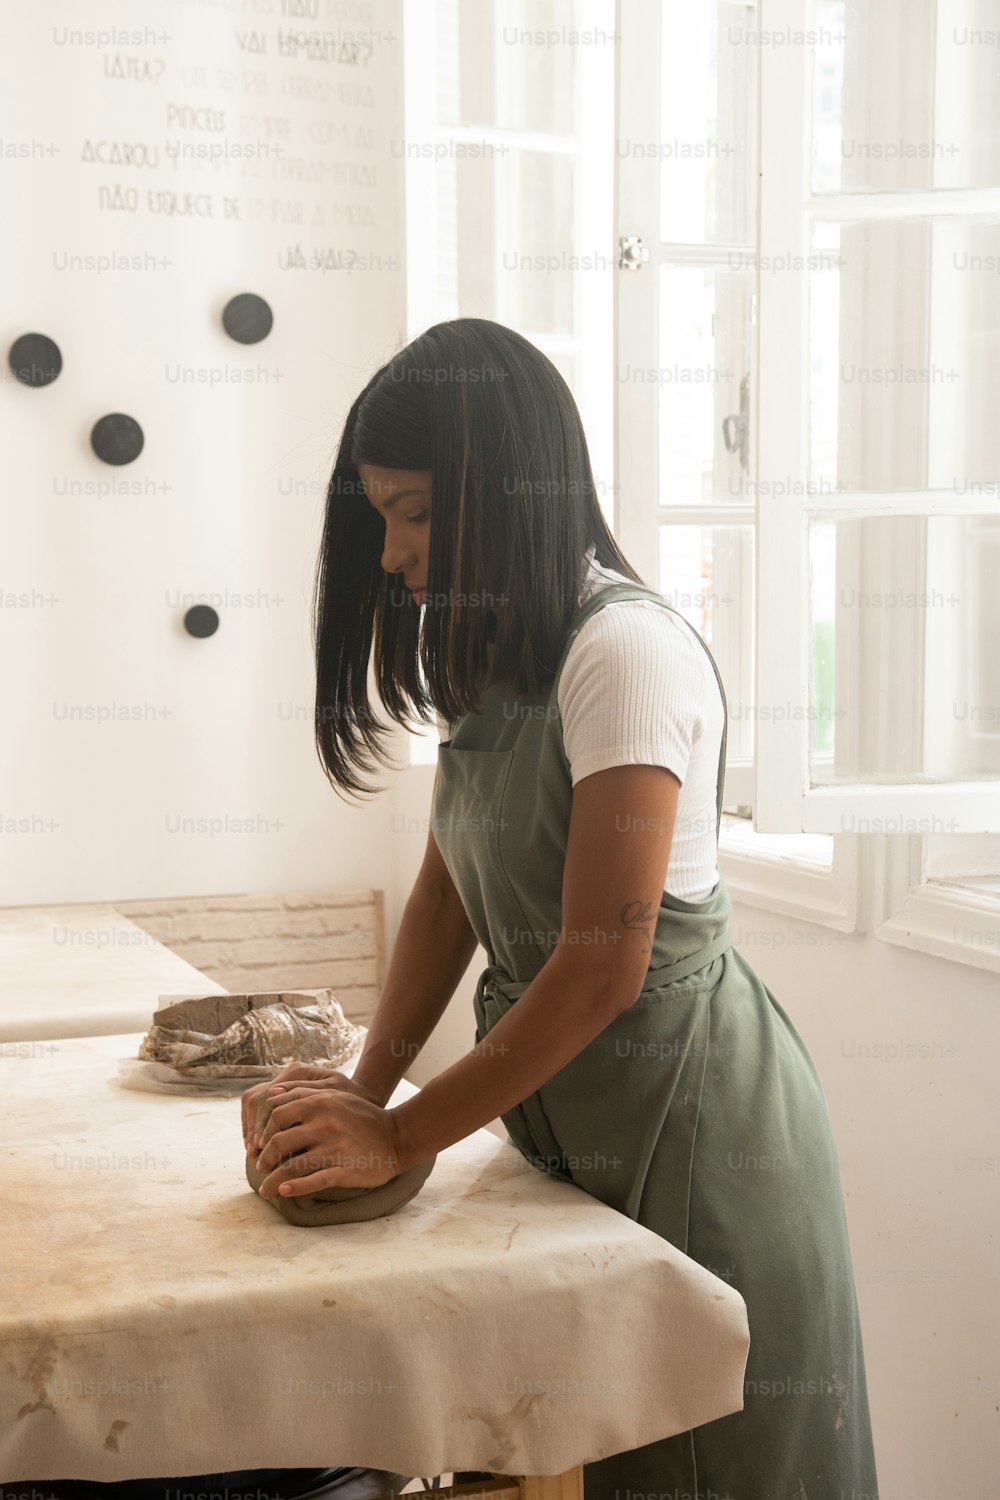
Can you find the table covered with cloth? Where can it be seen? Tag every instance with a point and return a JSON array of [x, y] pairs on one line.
[[160, 1318], [83, 970]]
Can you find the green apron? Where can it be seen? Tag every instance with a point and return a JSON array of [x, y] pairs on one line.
[[697, 1112]]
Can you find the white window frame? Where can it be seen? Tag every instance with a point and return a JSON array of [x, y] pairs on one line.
[[897, 899], [785, 800], [782, 873], [873, 883], [879, 887], [940, 917]]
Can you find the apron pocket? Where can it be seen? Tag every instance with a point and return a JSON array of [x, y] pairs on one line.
[[625, 1110], [526, 1122]]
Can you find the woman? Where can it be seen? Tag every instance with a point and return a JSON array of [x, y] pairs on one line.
[[624, 1042]]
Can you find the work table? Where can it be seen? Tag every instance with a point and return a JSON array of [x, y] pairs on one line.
[[159, 1318]]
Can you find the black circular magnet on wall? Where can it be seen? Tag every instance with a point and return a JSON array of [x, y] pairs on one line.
[[201, 620], [35, 359], [116, 438], [247, 318]]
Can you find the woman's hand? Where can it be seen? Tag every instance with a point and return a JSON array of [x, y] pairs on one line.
[[319, 1138], [257, 1102]]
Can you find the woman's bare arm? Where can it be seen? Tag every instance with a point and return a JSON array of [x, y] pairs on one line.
[[617, 852], [433, 949]]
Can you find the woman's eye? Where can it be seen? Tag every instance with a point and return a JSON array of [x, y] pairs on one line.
[[422, 516]]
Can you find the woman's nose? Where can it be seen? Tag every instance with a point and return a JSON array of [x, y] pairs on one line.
[[394, 559]]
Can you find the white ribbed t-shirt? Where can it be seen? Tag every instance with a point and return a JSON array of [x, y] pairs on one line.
[[637, 688]]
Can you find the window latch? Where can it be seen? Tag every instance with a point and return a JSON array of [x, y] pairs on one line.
[[632, 253], [736, 429]]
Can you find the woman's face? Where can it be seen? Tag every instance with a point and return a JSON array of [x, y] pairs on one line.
[[402, 498]]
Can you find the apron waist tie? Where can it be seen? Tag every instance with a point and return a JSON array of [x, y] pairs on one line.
[[495, 979], [694, 961]]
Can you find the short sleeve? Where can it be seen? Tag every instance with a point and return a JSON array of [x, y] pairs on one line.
[[633, 691]]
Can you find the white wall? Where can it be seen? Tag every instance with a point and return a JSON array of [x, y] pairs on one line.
[[269, 140]]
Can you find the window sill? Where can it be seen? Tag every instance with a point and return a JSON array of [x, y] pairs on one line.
[[810, 876], [812, 850], [950, 920]]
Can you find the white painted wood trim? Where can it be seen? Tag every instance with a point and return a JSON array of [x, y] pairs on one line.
[[950, 922], [781, 383], [637, 212], [782, 882]]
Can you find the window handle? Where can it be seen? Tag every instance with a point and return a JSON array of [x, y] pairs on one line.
[[736, 429], [632, 253]]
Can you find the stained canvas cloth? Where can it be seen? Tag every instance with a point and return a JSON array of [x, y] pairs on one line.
[[345, 1205], [156, 1317], [697, 1112]]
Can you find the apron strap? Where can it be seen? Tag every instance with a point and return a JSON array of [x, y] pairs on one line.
[[641, 591], [690, 965]]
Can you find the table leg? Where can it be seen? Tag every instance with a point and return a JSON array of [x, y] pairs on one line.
[[568, 1486]]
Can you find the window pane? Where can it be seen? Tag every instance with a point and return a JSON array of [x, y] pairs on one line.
[[449, 88], [916, 107], [904, 611], [704, 383], [511, 64], [568, 366], [446, 260], [706, 146], [822, 661], [534, 236], [904, 329], [498, 218], [706, 573]]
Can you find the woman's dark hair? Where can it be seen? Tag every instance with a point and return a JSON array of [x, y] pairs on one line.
[[514, 510]]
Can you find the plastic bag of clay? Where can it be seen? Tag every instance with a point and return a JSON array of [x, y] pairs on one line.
[[223, 1044]]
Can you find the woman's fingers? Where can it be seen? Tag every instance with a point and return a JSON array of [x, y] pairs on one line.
[[288, 1164], [265, 1092], [293, 1107], [284, 1144], [250, 1100], [274, 1095], [318, 1137], [248, 1108], [303, 1073], [293, 1073], [314, 1182], [291, 1129], [257, 1102]]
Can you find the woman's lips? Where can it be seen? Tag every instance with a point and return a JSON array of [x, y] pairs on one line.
[[418, 594]]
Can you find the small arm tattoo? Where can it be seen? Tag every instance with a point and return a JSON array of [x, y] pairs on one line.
[[638, 915]]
